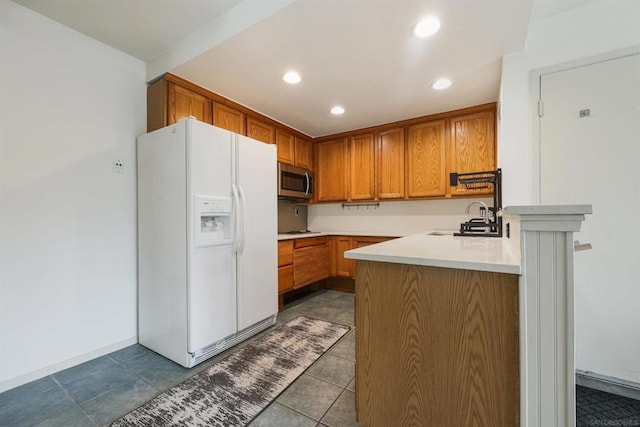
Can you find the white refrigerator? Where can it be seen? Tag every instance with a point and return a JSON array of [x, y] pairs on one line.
[[207, 240]]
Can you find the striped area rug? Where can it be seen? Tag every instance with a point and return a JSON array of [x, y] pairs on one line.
[[233, 391]]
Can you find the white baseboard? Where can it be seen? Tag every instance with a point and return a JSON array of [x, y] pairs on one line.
[[52, 369], [608, 384]]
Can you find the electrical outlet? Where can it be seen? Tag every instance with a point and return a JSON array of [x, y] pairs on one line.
[[118, 165]]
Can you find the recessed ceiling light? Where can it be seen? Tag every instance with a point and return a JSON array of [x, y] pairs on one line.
[[427, 27], [291, 77], [337, 110], [441, 84]]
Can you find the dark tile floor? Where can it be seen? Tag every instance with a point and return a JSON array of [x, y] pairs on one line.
[[597, 408], [97, 392]]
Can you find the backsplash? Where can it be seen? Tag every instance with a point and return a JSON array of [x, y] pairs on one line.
[[291, 216], [404, 217]]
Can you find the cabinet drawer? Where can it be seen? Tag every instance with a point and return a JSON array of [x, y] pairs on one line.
[[285, 278], [310, 265], [285, 252], [310, 241], [361, 242]]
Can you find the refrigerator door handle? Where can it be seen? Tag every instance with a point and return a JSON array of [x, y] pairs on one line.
[[236, 219], [242, 221]]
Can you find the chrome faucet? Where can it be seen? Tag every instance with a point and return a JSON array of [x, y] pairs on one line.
[[484, 209]]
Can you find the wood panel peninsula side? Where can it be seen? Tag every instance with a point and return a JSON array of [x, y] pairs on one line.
[[463, 331]]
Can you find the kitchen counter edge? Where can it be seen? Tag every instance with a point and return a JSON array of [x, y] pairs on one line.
[[340, 233], [467, 253]]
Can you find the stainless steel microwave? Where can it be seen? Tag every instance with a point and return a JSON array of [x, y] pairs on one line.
[[294, 182]]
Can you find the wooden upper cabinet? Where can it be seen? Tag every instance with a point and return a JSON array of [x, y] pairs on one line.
[[260, 131], [286, 147], [303, 153], [472, 147], [362, 167], [425, 174], [228, 118], [390, 164], [332, 172], [184, 103]]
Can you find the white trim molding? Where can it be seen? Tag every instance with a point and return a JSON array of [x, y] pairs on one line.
[[547, 355], [608, 384]]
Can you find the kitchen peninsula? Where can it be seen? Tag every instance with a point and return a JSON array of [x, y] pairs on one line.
[[448, 328]]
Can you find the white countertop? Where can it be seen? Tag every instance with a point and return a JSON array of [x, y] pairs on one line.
[[339, 233], [492, 254]]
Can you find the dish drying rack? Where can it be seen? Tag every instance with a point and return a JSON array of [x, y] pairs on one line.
[[489, 225]]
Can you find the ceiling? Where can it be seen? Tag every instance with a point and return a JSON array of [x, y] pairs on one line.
[[356, 53]]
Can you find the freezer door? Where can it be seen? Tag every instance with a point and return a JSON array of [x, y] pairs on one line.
[[257, 251], [211, 292], [162, 258], [212, 297]]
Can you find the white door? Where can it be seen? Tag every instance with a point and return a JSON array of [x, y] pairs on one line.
[[211, 275], [258, 254], [590, 154]]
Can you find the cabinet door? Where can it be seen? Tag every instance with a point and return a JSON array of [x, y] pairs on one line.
[[303, 153], [333, 256], [310, 264], [426, 159], [390, 164], [361, 167], [331, 176], [260, 131], [286, 147], [472, 147], [361, 242], [185, 103], [228, 118], [344, 267], [285, 278], [285, 252]]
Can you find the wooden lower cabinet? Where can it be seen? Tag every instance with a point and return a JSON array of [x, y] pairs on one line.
[[285, 266], [285, 278], [301, 262], [343, 267], [304, 261], [342, 271], [310, 264], [436, 346]]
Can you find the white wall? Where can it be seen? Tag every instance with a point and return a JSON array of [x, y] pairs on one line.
[[403, 217], [68, 223], [597, 28], [593, 30]]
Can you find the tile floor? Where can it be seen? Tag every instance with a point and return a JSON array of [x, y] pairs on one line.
[[97, 392], [101, 390]]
